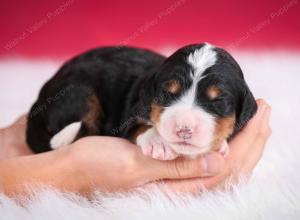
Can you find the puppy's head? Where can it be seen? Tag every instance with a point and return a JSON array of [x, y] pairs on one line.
[[198, 99]]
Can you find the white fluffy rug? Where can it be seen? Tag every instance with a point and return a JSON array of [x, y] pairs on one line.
[[272, 193]]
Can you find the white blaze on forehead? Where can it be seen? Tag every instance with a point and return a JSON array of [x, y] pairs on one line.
[[200, 60]]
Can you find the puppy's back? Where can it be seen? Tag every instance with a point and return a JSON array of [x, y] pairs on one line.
[[90, 89]]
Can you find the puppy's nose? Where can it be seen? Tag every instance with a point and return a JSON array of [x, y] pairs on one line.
[[184, 132]]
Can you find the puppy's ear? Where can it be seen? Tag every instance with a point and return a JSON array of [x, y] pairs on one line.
[[246, 108], [139, 105], [146, 95], [148, 88]]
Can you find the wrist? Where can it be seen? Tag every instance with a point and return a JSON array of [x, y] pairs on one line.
[[47, 169], [72, 173], [66, 172], [12, 144]]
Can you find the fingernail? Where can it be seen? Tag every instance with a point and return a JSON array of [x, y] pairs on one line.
[[212, 164]]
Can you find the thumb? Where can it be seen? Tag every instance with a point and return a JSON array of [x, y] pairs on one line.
[[182, 168]]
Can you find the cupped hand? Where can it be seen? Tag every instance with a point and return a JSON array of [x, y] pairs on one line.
[[115, 164], [246, 149], [103, 163]]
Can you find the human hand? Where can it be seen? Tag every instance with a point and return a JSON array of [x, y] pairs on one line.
[[104, 163], [114, 164], [246, 149], [13, 141]]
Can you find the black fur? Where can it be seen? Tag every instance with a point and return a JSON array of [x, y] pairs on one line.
[[126, 81]]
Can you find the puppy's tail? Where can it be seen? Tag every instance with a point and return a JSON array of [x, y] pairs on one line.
[[66, 136]]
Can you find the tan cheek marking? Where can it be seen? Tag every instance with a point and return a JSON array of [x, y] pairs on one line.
[[155, 113], [94, 113], [174, 86], [143, 128], [213, 92], [224, 128]]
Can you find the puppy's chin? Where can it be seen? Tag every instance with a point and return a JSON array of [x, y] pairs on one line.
[[190, 148], [187, 149]]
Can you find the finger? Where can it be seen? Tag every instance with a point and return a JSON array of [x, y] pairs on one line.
[[182, 168], [242, 142], [196, 185], [250, 129], [20, 122], [243, 164], [259, 144], [192, 186]]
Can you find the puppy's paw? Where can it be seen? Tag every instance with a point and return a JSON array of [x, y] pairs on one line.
[[154, 146]]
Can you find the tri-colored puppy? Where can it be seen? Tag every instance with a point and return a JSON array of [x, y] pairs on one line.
[[187, 104]]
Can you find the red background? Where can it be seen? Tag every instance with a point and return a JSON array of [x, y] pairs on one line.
[[153, 24]]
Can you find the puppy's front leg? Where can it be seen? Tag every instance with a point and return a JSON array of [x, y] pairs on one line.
[[154, 146]]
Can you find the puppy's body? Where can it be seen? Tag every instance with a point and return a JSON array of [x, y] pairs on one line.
[[186, 104], [99, 87]]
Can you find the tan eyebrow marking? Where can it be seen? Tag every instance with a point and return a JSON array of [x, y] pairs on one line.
[[174, 86], [213, 92]]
